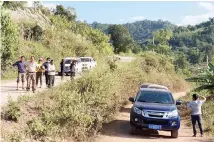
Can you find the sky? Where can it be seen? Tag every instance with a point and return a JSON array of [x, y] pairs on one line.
[[112, 12]]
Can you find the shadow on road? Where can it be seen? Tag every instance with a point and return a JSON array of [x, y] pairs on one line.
[[120, 128]]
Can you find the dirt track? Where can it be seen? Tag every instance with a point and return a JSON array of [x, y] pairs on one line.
[[118, 131]]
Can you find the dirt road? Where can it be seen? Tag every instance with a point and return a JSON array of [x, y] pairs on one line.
[[118, 131], [8, 88]]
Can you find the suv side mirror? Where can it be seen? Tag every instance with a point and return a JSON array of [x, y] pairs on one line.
[[131, 99], [178, 102]]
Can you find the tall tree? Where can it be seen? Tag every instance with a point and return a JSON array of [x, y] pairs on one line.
[[9, 40], [120, 38]]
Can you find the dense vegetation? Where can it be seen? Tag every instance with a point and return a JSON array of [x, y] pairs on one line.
[[76, 110], [193, 43]]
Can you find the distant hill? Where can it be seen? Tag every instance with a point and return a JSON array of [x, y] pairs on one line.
[[140, 31]]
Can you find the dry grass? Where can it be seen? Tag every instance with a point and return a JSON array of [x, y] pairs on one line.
[[76, 110]]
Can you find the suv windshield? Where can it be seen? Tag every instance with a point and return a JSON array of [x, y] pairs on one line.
[[85, 59], [155, 97], [68, 61]]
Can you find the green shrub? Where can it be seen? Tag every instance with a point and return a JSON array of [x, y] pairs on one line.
[[12, 112]]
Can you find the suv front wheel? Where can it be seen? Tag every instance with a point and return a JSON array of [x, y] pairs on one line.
[[174, 133], [133, 130]]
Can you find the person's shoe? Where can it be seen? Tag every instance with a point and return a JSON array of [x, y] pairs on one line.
[[17, 88], [40, 87], [23, 88], [194, 136], [202, 135], [34, 91]]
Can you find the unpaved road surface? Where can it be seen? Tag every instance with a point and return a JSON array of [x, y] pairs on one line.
[[8, 88], [118, 131]]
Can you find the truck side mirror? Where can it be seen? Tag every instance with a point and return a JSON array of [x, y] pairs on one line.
[[178, 102], [131, 99]]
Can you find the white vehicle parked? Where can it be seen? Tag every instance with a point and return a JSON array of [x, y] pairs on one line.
[[68, 61], [88, 63]]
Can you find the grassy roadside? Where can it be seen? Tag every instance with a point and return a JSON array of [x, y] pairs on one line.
[[207, 111], [76, 110]]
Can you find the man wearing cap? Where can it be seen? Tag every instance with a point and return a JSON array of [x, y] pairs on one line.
[[21, 71], [31, 73], [45, 67], [39, 72]]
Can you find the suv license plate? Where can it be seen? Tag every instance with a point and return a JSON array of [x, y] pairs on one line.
[[155, 127]]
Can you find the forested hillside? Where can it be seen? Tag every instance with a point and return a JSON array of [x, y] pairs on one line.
[[195, 41], [192, 43], [140, 31]]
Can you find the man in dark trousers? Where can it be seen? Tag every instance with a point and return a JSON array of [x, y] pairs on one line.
[[196, 114], [21, 71], [45, 67], [62, 66]]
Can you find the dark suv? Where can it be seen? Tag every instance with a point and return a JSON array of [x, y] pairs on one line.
[[155, 109]]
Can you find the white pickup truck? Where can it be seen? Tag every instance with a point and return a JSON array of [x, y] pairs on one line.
[[88, 63]]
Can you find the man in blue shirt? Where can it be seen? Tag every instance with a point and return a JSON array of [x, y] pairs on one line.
[[21, 71]]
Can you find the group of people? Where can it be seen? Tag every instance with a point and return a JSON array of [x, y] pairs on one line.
[[33, 72]]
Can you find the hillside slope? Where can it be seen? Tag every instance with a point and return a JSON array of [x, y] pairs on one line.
[[33, 31]]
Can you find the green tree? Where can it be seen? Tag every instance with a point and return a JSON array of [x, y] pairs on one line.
[[162, 36], [9, 40], [120, 38], [14, 4], [180, 62], [69, 12]]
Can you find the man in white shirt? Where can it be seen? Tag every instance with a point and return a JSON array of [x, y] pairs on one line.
[[31, 68], [195, 106], [51, 73]]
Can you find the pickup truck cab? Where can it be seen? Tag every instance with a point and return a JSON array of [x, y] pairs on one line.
[[154, 109], [88, 63]]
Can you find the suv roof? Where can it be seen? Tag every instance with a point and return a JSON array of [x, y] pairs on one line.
[[154, 89], [155, 86]]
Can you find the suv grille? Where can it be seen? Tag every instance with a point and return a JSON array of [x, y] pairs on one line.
[[155, 114]]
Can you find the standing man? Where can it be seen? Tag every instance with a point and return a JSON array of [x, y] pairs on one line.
[[45, 67], [21, 71], [62, 67], [73, 69], [31, 73], [51, 73], [195, 107], [39, 72]]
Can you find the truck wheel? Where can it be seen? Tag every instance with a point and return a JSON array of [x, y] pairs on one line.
[[133, 130], [174, 134]]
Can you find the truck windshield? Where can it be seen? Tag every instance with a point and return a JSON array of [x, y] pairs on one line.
[[155, 97], [68, 61], [85, 59]]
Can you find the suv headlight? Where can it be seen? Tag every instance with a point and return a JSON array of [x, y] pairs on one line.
[[137, 110], [173, 113]]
